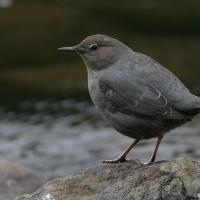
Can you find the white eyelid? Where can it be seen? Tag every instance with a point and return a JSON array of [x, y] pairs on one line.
[[93, 45]]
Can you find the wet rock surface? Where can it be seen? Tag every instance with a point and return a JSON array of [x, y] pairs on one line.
[[171, 180], [16, 180]]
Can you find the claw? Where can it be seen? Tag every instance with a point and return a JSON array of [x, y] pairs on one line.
[[149, 163], [117, 160]]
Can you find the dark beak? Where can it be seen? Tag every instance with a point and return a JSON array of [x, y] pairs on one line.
[[67, 48], [76, 48]]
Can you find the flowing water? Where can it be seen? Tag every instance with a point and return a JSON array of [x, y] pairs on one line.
[[56, 138]]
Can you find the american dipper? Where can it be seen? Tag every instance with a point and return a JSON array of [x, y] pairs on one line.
[[136, 95]]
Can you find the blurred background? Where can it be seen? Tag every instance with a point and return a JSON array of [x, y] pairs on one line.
[[47, 121]]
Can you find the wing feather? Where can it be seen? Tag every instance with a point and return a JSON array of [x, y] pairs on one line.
[[136, 99]]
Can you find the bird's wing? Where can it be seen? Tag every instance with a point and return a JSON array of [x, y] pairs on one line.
[[136, 99]]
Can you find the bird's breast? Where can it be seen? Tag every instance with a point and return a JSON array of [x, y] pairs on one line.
[[96, 95], [93, 88]]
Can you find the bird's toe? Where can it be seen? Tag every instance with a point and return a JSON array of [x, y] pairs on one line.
[[118, 160]]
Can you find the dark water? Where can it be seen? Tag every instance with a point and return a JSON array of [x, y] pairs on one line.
[[56, 138]]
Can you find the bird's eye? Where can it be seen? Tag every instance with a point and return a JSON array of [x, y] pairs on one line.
[[93, 47]]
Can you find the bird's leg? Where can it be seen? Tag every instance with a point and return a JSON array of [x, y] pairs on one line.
[[153, 157], [122, 157]]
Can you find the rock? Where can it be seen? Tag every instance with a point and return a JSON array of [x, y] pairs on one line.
[[166, 180], [16, 180]]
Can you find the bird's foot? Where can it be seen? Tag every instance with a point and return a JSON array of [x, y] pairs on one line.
[[117, 160], [149, 162]]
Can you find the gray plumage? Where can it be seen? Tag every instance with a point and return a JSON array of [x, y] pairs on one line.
[[138, 97]]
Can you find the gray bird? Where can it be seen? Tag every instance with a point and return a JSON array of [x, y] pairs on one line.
[[135, 94]]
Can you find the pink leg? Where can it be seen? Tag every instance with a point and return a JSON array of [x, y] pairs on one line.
[[122, 157], [155, 150]]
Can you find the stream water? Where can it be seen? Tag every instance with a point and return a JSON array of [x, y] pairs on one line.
[[56, 138]]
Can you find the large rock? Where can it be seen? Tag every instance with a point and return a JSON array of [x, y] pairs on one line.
[[167, 180], [16, 180]]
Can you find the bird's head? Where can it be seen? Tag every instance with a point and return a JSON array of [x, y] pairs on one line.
[[98, 51]]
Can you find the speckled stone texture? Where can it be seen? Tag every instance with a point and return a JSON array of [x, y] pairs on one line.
[[16, 180], [172, 180]]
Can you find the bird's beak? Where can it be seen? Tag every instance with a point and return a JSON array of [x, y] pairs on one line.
[[76, 48], [67, 48]]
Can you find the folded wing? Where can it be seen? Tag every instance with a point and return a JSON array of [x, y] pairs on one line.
[[137, 99]]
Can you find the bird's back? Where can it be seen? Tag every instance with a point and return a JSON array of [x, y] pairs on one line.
[[150, 72]]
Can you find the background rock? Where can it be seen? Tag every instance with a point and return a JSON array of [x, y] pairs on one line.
[[16, 180], [171, 180]]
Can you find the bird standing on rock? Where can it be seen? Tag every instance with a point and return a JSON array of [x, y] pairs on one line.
[[136, 95]]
